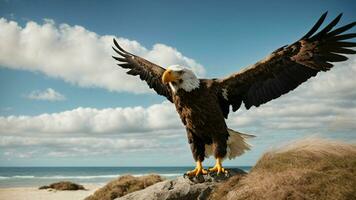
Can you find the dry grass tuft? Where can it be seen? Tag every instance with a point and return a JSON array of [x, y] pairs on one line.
[[311, 168], [63, 185], [124, 185]]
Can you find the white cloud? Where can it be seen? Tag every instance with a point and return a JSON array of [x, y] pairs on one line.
[[73, 146], [11, 154], [78, 56], [48, 95], [79, 121]]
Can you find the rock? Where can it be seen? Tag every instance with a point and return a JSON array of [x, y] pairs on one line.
[[214, 177], [63, 185], [183, 188]]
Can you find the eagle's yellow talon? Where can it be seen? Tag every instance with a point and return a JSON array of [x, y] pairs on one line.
[[218, 168], [197, 171]]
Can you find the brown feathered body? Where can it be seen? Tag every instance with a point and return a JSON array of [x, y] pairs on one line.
[[203, 118]]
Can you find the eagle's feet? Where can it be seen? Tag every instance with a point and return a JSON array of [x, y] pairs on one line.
[[218, 167], [218, 170], [196, 172]]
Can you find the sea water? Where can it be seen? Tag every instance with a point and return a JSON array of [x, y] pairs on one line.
[[38, 176]]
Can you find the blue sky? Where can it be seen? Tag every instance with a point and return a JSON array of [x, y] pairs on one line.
[[213, 38]]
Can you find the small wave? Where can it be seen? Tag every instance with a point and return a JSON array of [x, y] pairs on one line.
[[25, 177], [18, 177], [167, 175], [170, 175], [78, 177], [58, 177]]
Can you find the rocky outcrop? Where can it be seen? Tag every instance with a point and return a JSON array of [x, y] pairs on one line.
[[183, 187]]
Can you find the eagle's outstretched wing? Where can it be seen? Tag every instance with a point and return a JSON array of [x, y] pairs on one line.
[[149, 72], [287, 67]]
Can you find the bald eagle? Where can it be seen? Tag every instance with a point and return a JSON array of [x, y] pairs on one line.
[[204, 104]]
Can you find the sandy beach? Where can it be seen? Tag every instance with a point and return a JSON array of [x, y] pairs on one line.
[[33, 193]]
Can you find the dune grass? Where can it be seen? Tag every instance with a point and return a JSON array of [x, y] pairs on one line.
[[63, 185], [311, 168], [124, 185]]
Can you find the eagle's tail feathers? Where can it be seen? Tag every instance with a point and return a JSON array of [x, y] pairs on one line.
[[237, 144]]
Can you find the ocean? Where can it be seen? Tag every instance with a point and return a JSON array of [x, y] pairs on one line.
[[38, 176]]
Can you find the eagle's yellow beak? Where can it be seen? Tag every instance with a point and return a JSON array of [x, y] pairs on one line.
[[168, 76]]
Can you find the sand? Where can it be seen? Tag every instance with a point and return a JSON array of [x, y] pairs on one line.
[[33, 193]]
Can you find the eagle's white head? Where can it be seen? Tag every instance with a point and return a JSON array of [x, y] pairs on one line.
[[179, 77]]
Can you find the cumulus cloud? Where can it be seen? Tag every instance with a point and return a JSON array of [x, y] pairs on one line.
[[80, 121], [48, 95], [73, 146], [79, 56]]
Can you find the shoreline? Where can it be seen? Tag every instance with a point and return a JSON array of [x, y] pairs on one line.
[[37, 186], [22, 193]]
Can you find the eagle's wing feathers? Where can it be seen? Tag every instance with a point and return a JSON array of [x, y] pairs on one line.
[[147, 71], [287, 67]]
